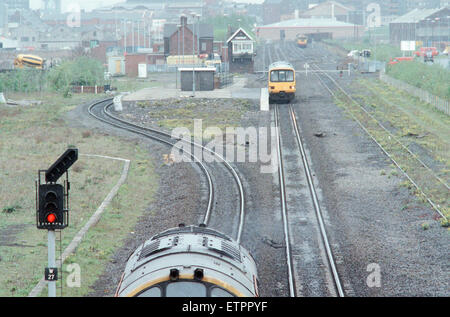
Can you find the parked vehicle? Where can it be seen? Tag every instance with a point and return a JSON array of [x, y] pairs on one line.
[[423, 51]]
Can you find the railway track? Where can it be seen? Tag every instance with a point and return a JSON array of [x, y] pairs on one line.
[[100, 111], [421, 176], [338, 288], [284, 211]]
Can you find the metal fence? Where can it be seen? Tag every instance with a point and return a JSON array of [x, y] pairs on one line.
[[225, 79], [439, 103]]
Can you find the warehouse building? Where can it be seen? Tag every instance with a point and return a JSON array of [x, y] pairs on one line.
[[429, 26], [313, 28]]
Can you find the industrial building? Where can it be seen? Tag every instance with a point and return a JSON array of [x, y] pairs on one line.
[[429, 26], [313, 28]]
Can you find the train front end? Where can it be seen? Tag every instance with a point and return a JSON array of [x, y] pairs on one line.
[[282, 85], [189, 261]]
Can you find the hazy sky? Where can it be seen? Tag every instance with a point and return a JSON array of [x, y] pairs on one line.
[[84, 4], [91, 4]]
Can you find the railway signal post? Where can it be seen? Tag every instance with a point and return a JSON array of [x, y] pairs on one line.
[[52, 208]]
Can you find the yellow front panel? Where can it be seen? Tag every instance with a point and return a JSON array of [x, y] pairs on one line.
[[276, 87]]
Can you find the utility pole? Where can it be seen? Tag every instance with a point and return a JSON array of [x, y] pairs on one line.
[[198, 34], [182, 19], [178, 43], [193, 54], [132, 39], [138, 35], [125, 35]]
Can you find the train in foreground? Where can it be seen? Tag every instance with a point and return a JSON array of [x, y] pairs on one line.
[[282, 83], [189, 261]]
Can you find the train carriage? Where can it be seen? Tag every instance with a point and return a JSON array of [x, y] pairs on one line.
[[192, 261], [302, 41], [282, 83]]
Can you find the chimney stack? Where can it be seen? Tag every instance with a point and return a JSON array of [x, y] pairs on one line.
[[183, 19]]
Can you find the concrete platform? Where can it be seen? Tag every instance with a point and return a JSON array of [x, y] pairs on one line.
[[236, 90]]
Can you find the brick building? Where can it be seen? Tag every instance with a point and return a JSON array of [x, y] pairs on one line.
[[179, 38]]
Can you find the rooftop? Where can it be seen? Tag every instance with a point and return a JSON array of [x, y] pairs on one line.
[[307, 23], [416, 15]]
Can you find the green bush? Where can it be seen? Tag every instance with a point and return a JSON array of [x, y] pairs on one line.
[[82, 71], [431, 78], [22, 80]]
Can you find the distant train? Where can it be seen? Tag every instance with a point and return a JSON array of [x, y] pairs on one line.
[[192, 261], [31, 61], [302, 41], [281, 81]]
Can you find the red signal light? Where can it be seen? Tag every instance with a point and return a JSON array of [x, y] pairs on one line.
[[51, 218]]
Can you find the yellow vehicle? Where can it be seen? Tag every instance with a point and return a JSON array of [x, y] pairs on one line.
[[281, 81], [302, 41], [29, 60]]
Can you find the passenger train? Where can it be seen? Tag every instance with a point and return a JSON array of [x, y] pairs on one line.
[[189, 261], [302, 41], [281, 76]]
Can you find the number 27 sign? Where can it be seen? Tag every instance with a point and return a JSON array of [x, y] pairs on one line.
[[51, 274]]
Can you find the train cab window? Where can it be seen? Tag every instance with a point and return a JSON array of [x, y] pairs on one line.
[[281, 75], [185, 289], [220, 292], [151, 292], [274, 75]]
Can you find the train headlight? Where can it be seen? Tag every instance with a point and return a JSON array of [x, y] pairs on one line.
[[198, 274], [174, 274]]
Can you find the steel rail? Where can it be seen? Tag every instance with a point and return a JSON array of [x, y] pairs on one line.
[[317, 209], [226, 163], [136, 131], [317, 74], [291, 280], [379, 145]]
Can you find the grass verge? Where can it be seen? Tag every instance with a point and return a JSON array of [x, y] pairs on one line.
[[31, 139]]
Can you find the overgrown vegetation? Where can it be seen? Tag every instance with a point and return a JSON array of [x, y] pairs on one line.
[[433, 79], [418, 126], [82, 71], [79, 71], [23, 80]]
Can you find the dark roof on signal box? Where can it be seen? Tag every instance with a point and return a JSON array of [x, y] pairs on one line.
[[206, 30]]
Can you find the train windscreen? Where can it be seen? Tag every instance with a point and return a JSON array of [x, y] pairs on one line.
[[282, 76]]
